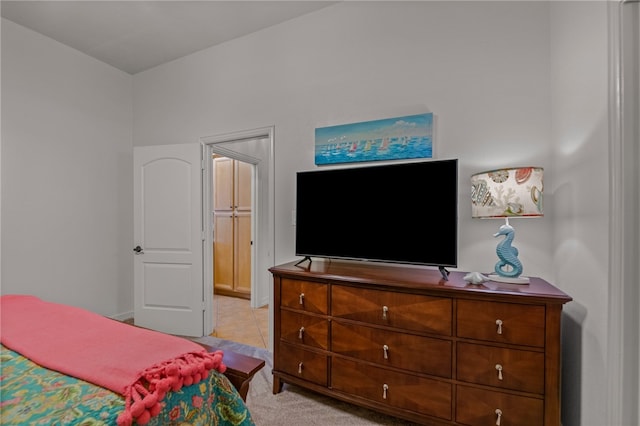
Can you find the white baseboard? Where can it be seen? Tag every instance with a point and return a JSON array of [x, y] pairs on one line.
[[123, 316]]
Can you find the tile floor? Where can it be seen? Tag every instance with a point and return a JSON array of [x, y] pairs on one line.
[[238, 322]]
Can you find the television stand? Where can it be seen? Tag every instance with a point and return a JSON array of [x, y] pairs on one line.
[[401, 341], [303, 260]]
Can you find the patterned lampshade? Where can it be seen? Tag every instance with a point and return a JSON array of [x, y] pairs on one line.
[[505, 193]]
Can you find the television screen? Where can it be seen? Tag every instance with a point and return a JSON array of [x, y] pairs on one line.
[[400, 213]]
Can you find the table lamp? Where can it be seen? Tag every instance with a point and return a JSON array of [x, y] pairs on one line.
[[507, 193]]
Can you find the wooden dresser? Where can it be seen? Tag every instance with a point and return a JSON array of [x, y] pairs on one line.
[[402, 341]]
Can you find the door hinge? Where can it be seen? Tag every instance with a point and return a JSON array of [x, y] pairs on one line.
[[202, 164], [204, 306], [203, 235]]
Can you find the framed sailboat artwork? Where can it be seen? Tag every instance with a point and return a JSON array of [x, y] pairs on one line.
[[397, 138]]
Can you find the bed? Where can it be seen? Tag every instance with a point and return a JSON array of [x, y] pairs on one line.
[[66, 366]]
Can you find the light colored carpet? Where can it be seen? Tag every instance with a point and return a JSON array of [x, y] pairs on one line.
[[294, 405]]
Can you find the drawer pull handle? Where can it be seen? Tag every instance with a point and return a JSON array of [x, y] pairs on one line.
[[385, 350], [300, 368], [385, 309], [499, 368], [499, 324], [302, 298], [300, 332], [385, 388], [498, 416]]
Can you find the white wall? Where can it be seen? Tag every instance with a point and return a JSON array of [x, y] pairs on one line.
[[579, 200], [66, 175], [0, 162], [359, 61]]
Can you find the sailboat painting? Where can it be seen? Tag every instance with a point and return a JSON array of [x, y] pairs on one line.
[[387, 139]]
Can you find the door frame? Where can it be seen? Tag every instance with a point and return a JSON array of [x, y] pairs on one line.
[[238, 146], [624, 206]]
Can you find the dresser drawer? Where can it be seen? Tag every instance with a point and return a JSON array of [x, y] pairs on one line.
[[304, 295], [401, 310], [501, 322], [405, 391], [302, 363], [500, 367], [479, 407], [304, 329], [421, 354]]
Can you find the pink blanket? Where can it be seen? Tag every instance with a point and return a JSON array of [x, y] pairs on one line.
[[140, 364]]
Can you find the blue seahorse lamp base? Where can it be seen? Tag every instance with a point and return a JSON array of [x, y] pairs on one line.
[[509, 267], [510, 280]]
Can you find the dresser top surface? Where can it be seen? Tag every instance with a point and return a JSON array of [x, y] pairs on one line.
[[415, 278]]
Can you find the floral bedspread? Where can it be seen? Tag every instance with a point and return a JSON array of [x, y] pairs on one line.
[[33, 395]]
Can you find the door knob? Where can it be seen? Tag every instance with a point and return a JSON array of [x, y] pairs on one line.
[[138, 250]]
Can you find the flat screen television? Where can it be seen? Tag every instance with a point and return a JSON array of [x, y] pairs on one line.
[[397, 213]]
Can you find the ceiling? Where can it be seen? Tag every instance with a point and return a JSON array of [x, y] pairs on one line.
[[134, 36]]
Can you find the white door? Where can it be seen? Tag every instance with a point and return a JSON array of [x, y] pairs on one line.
[[168, 239]]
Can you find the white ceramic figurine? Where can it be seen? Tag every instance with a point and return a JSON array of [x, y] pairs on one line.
[[475, 278]]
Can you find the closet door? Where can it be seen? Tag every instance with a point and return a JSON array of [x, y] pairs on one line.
[[232, 227], [242, 227]]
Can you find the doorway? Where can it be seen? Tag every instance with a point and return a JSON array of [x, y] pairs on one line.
[[253, 147]]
